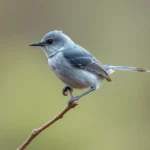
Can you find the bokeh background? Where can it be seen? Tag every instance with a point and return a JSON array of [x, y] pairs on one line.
[[116, 117]]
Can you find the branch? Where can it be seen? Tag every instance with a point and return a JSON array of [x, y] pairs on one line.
[[36, 132]]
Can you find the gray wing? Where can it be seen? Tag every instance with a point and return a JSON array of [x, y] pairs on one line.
[[80, 58]]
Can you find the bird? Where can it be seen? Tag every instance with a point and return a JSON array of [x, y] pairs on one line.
[[76, 67]]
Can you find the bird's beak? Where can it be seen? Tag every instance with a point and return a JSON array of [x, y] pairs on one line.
[[37, 44]]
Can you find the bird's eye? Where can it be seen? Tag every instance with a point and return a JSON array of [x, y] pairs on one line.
[[50, 41]]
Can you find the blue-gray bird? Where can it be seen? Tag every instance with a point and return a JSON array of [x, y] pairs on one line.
[[74, 65]]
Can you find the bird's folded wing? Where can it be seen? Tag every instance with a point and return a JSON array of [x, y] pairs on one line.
[[83, 60]]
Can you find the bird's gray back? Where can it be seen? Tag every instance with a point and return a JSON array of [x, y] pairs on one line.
[[79, 58]]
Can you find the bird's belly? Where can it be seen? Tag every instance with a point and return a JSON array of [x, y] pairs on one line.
[[77, 78], [73, 77]]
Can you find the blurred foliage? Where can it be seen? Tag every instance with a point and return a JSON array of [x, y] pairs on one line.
[[116, 117]]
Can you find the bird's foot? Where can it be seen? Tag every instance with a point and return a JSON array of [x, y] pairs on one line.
[[64, 90], [72, 100]]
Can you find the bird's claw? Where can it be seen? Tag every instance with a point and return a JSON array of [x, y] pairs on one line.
[[64, 90], [72, 100]]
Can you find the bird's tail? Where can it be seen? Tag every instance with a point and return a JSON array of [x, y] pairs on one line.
[[111, 69]]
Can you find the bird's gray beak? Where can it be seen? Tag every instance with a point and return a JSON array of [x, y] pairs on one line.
[[37, 44]]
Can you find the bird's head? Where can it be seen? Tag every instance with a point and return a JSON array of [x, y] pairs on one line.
[[53, 42]]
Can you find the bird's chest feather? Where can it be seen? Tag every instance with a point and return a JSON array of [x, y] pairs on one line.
[[58, 64]]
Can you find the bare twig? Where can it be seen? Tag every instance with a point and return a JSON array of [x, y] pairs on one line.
[[36, 132]]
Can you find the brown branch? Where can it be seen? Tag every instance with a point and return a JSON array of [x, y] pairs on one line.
[[36, 132]]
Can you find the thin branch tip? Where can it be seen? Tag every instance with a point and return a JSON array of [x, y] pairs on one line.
[[74, 104], [60, 115], [34, 131]]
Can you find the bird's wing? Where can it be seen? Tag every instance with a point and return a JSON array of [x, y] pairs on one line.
[[82, 59]]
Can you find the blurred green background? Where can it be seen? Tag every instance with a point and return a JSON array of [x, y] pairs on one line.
[[116, 117]]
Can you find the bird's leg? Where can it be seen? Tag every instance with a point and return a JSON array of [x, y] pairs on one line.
[[76, 98], [64, 90]]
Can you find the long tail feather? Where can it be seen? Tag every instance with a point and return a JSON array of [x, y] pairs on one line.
[[111, 69]]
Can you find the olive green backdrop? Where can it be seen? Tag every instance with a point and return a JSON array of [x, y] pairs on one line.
[[115, 117]]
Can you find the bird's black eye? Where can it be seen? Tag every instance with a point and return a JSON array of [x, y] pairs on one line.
[[49, 41]]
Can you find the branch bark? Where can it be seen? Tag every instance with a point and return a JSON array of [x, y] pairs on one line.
[[36, 132]]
